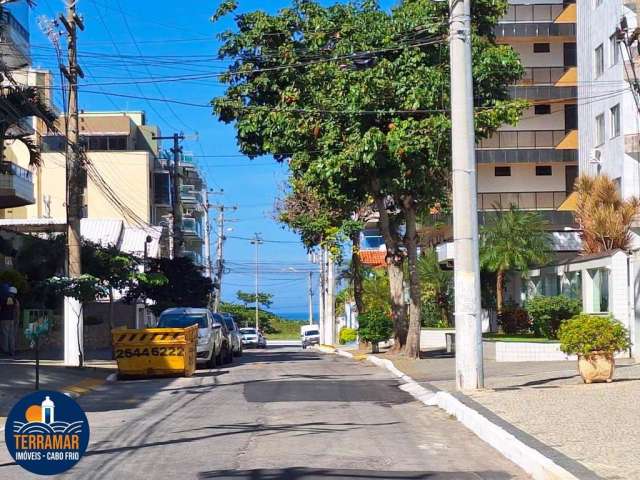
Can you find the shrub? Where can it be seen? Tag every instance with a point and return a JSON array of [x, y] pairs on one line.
[[585, 334], [348, 335], [375, 326], [548, 313], [514, 320]]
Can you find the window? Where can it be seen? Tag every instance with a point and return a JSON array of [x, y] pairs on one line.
[[542, 109], [615, 120], [598, 60], [600, 129], [544, 170], [541, 48], [502, 171], [614, 50]]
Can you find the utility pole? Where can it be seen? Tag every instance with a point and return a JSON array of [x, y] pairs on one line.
[[330, 298], [257, 241], [310, 298], [469, 365], [217, 282], [178, 240], [76, 184]]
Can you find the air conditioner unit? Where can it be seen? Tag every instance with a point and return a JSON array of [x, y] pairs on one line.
[[596, 156]]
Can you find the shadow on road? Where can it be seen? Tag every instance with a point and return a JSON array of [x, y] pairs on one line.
[[382, 392], [297, 473], [224, 430]]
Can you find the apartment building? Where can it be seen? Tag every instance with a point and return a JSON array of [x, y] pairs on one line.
[[608, 106], [533, 164], [194, 199]]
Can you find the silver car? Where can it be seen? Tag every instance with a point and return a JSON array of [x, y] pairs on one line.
[[235, 336], [253, 338], [210, 346]]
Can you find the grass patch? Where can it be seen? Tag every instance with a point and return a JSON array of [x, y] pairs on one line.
[[284, 329], [503, 337]]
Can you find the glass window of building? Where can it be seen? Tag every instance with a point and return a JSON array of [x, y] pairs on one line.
[[598, 60], [614, 50], [615, 120], [600, 129]]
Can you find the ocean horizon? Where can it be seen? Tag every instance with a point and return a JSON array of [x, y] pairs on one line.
[[296, 316]]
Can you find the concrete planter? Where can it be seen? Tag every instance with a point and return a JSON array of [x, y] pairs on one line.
[[596, 367], [434, 338]]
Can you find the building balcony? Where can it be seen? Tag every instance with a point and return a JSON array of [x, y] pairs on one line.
[[548, 76], [544, 92], [189, 195], [534, 30], [16, 186], [527, 155], [492, 201], [195, 257], [191, 228], [14, 41]]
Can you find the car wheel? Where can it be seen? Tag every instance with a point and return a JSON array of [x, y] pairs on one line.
[[229, 355], [212, 361], [220, 356]]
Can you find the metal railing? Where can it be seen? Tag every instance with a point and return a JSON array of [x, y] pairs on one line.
[[522, 200], [523, 139], [535, 29], [9, 168], [541, 75]]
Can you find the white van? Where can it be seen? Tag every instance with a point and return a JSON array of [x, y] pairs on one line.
[[309, 335]]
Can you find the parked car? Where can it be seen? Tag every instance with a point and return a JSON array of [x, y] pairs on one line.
[[309, 335], [226, 354], [234, 334], [210, 343], [252, 337]]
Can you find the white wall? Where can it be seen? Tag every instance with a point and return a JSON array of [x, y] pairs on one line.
[[598, 95], [523, 179], [555, 58], [531, 121]]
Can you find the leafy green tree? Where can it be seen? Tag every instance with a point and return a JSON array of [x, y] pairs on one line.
[[513, 240], [116, 270], [246, 316], [357, 97], [375, 327], [175, 282], [376, 291], [264, 299]]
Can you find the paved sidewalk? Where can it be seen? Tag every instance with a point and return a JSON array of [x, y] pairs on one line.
[[596, 425], [17, 378]]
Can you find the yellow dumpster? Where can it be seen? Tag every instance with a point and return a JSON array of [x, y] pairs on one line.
[[155, 351]]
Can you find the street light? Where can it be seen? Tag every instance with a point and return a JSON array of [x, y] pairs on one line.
[[257, 241]]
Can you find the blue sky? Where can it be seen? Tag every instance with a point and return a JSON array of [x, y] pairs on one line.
[[183, 30]]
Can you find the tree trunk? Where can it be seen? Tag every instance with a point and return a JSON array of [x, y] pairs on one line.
[[412, 347], [394, 260], [111, 310], [500, 292], [356, 273]]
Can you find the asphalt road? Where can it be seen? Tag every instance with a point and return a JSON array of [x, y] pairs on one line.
[[280, 413]]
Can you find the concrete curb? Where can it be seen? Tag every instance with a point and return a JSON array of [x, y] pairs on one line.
[[530, 460]]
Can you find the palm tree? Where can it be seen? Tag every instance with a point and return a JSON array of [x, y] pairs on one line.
[[604, 218], [436, 283], [513, 240], [16, 104]]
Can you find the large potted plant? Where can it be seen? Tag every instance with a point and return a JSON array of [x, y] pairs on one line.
[[594, 339]]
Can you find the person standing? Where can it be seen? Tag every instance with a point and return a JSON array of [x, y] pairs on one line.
[[9, 315]]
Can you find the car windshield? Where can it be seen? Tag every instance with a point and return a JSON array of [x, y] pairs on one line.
[[248, 331], [228, 321], [311, 332], [183, 320]]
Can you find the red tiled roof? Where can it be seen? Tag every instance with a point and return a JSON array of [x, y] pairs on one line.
[[373, 258]]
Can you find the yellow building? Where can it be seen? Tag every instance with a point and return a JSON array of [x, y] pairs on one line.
[[122, 155]]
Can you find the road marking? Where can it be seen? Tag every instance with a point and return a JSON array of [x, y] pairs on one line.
[[83, 387]]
